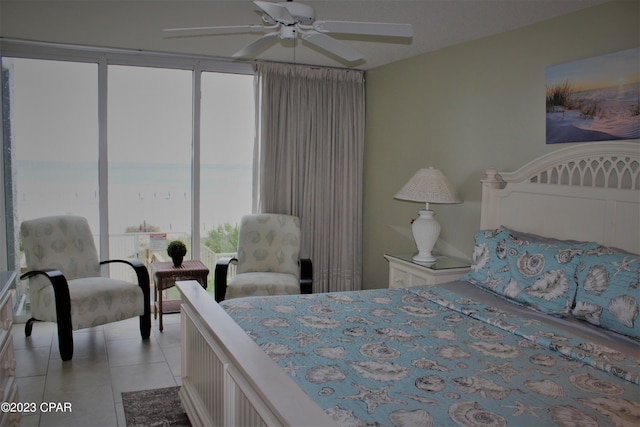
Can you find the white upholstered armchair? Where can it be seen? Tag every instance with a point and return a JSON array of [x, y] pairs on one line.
[[268, 261], [65, 285]]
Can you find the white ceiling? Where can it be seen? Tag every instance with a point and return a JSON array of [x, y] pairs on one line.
[[138, 24]]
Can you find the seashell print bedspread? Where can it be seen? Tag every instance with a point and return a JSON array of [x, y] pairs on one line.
[[425, 356]]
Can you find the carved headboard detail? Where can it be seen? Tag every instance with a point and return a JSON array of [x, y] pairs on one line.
[[587, 191]]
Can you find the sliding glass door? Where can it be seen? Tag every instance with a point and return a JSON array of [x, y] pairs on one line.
[[149, 152], [226, 161], [52, 108], [132, 142]]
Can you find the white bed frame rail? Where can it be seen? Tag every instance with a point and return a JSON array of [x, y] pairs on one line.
[[227, 380]]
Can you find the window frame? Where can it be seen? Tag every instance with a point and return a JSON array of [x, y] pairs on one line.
[[104, 57]]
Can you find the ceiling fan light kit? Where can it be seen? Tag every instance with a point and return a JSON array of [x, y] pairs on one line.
[[285, 20]]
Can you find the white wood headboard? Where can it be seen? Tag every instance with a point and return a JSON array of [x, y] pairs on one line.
[[588, 191]]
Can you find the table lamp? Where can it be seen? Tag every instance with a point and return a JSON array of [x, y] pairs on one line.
[[428, 185]]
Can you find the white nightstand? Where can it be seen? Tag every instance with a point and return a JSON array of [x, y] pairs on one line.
[[403, 271]]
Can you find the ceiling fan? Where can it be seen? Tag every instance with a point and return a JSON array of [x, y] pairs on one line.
[[287, 20]]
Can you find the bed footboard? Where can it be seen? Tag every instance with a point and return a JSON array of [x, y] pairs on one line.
[[227, 380]]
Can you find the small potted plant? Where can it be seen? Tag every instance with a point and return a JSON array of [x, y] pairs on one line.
[[177, 250]]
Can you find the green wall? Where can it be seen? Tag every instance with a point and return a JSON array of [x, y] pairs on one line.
[[464, 109]]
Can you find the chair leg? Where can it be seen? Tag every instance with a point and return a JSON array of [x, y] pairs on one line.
[[28, 327], [145, 319], [145, 325], [65, 341]]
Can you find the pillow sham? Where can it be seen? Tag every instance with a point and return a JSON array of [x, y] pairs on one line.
[[608, 290], [489, 266], [543, 274], [527, 269]]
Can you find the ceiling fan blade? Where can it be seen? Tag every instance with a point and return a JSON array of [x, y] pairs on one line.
[[205, 31], [277, 11], [333, 46], [364, 28], [252, 50]]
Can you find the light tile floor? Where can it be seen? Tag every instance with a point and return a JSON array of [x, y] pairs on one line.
[[107, 360]]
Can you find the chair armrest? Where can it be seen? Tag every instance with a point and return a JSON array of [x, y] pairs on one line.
[[141, 270], [143, 281], [57, 279], [306, 276], [61, 293], [220, 278]]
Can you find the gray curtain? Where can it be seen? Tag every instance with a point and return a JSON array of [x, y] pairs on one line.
[[309, 160]]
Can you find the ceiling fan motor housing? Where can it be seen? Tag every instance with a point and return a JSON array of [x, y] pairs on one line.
[[288, 33]]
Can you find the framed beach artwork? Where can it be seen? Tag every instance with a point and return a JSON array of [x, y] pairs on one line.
[[594, 99]]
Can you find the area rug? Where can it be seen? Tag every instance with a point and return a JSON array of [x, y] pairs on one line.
[[154, 408]]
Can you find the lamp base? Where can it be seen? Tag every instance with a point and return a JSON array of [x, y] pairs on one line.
[[426, 230], [424, 259]]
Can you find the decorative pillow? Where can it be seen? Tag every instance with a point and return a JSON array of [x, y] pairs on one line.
[[608, 291], [489, 267], [543, 274]]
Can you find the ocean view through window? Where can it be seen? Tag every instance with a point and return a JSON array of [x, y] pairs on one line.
[[56, 146]]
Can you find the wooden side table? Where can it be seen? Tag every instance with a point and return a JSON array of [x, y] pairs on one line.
[[403, 271], [165, 276]]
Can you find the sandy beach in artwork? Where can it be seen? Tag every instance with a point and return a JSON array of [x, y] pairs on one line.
[[614, 117]]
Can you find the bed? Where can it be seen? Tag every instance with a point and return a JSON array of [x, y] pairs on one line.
[[544, 329]]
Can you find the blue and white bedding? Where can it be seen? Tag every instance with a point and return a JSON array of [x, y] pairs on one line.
[[426, 356]]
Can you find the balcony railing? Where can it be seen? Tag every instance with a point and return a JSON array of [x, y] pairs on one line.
[[139, 245]]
